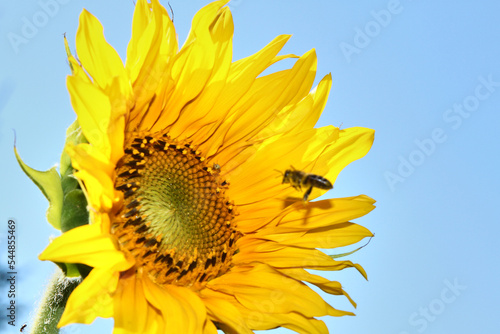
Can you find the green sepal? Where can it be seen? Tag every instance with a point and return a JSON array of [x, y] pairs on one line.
[[74, 211], [336, 256], [49, 182], [74, 269], [75, 136], [69, 182], [69, 269], [83, 269]]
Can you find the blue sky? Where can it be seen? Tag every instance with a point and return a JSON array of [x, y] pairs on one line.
[[424, 75]]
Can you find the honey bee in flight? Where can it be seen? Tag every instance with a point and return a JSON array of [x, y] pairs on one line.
[[299, 179]]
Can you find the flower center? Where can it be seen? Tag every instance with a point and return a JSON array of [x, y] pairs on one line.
[[175, 219]]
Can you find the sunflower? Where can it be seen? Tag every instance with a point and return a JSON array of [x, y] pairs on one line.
[[191, 229]]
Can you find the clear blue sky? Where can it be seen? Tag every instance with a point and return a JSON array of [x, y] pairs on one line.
[[424, 75]]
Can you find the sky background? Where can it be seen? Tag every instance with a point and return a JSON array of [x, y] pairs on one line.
[[424, 75]]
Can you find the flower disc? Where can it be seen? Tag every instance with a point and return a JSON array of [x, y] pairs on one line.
[[175, 219]]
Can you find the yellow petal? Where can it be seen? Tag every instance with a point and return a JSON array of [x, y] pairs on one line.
[[305, 113], [152, 30], [259, 179], [99, 58], [241, 76], [183, 311], [193, 67], [338, 235], [78, 71], [294, 321], [260, 319], [86, 244], [352, 144], [280, 256], [331, 287], [149, 57], [243, 72], [155, 324], [200, 111], [313, 215], [95, 170], [264, 289], [91, 298], [209, 327], [130, 306], [93, 109], [224, 313], [203, 19], [267, 96], [116, 127]]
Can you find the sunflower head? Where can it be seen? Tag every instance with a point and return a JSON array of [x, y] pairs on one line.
[[191, 228]]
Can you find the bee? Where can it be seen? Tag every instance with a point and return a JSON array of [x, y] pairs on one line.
[[299, 179], [23, 327]]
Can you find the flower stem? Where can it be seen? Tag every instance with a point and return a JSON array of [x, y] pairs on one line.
[[53, 302]]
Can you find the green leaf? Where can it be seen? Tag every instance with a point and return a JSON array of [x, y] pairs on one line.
[[49, 182]]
